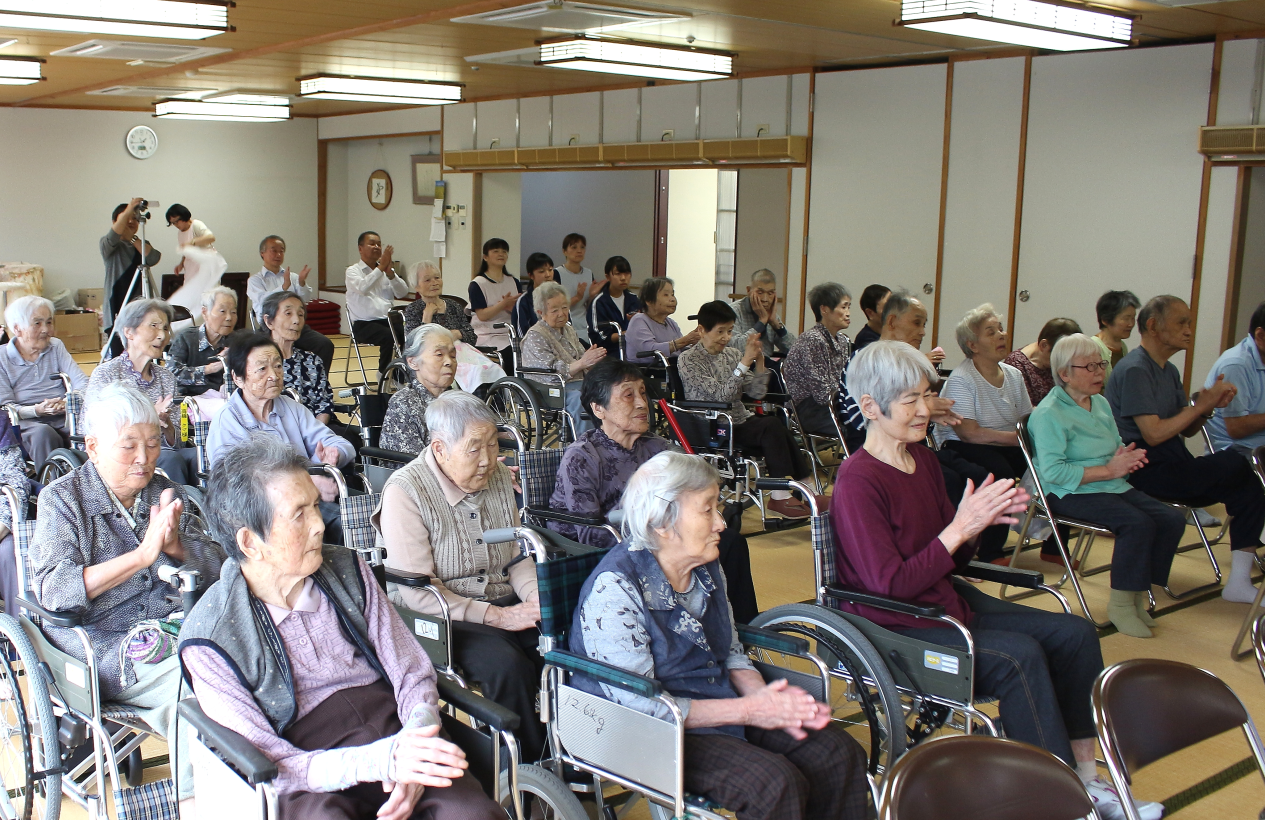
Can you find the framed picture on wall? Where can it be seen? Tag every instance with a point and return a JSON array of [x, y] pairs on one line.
[[426, 170], [379, 189]]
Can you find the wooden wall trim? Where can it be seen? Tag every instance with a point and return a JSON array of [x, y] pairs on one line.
[[380, 136], [1238, 235], [322, 191], [786, 258], [808, 189], [1201, 231], [476, 222], [1023, 161], [944, 201]]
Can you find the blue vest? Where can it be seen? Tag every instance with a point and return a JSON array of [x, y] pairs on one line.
[[689, 654]]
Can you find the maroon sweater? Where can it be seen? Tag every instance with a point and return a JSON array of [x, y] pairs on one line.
[[887, 530]]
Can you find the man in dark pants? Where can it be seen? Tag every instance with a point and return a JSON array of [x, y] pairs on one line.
[[1151, 409], [121, 251], [371, 288]]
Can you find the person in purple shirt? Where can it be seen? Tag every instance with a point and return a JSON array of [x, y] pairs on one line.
[[654, 328]]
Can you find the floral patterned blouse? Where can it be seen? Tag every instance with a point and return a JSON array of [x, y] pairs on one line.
[[404, 427], [305, 372], [814, 365], [454, 317], [1039, 381]]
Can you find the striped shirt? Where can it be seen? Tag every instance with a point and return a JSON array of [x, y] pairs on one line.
[[994, 408]]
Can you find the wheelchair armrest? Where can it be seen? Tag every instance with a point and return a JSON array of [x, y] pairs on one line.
[[416, 580], [1011, 576], [721, 406], [64, 619], [605, 673], [387, 455], [231, 747], [477, 706], [563, 517], [852, 596], [773, 641], [543, 371], [775, 398], [488, 350]]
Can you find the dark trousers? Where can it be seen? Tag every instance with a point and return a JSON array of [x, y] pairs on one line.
[[775, 441], [1041, 666], [9, 574], [957, 470], [1226, 477], [507, 666], [735, 562], [42, 436], [358, 717], [1147, 533], [317, 343], [181, 466], [815, 417], [376, 332], [773, 776]]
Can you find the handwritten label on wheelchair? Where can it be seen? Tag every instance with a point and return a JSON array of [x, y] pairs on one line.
[[939, 662], [76, 675], [586, 709], [426, 629], [555, 392]]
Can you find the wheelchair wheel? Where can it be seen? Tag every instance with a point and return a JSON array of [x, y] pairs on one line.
[[544, 795], [515, 405], [29, 745], [60, 462], [864, 695]]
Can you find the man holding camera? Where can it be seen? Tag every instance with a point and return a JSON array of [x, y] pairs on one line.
[[121, 250], [272, 278], [372, 287]]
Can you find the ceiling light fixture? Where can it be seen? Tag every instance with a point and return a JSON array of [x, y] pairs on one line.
[[175, 19], [6, 43], [584, 53], [1020, 22], [246, 98], [373, 89], [223, 112], [20, 70]]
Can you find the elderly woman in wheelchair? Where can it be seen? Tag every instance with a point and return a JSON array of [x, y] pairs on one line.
[[431, 521], [297, 650], [656, 606], [552, 344], [431, 354], [106, 534]]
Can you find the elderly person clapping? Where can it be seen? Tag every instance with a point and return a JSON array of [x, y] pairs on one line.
[[298, 650], [104, 532], [656, 606], [432, 356], [1084, 469], [195, 352], [817, 359], [552, 344], [29, 365], [431, 520], [432, 307]]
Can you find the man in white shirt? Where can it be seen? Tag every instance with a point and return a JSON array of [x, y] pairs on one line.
[[272, 278], [371, 288]]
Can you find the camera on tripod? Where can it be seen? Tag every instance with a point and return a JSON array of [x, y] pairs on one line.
[[142, 210]]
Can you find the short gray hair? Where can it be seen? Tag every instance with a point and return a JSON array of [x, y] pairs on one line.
[[898, 303], [1066, 350], [826, 296], [118, 405], [21, 312], [209, 297], [652, 287], [967, 331], [885, 371], [1157, 308], [764, 275], [237, 493], [453, 413], [652, 499], [271, 304], [419, 338], [133, 313], [540, 296]]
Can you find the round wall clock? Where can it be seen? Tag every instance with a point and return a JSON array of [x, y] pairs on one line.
[[142, 142], [379, 189]]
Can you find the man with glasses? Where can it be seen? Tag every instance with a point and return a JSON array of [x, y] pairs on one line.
[[758, 312]]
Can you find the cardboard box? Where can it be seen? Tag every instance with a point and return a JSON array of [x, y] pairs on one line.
[[90, 298], [80, 332]]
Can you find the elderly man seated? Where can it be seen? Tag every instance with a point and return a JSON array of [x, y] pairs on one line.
[[103, 533], [28, 376], [757, 312], [431, 520], [656, 606], [429, 351], [298, 650], [596, 468], [1240, 425], [1151, 409]]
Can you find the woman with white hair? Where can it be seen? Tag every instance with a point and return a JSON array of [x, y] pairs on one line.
[[431, 520], [431, 354], [103, 533], [29, 365], [552, 344], [656, 606], [1084, 469], [897, 535], [195, 353], [432, 307]]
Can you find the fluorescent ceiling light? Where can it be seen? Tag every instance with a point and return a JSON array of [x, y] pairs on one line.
[[20, 70], [8, 42], [242, 98], [1020, 22], [224, 112], [175, 19], [368, 89], [635, 59]]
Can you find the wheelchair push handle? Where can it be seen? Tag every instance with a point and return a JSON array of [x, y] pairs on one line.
[[810, 498], [330, 471], [500, 535]]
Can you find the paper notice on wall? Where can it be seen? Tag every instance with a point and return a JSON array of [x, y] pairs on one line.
[[438, 230], [441, 250], [438, 211]]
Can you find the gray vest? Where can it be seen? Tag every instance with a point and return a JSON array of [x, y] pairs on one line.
[[237, 626]]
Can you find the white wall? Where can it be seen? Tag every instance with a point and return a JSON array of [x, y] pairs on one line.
[[503, 217], [64, 172], [692, 238]]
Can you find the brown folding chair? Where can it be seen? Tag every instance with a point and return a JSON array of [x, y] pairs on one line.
[[982, 777]]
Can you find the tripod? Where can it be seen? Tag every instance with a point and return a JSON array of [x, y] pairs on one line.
[[142, 216]]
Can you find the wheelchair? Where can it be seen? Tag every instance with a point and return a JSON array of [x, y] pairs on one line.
[[536, 409], [64, 459]]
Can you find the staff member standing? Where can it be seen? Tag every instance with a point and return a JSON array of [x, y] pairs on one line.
[[121, 251], [272, 278], [371, 287]]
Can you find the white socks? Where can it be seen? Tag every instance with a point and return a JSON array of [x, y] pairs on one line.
[[782, 495], [1087, 769], [1238, 589]]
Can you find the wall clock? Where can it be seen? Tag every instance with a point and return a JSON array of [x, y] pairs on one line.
[[379, 189], [142, 142]]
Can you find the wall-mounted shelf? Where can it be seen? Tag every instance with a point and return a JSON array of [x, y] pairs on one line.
[[686, 153], [1232, 143]]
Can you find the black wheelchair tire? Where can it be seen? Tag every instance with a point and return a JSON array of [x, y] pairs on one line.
[[60, 462], [510, 392], [539, 785], [29, 713]]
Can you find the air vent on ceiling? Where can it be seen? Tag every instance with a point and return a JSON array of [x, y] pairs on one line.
[[1226, 142], [152, 91], [567, 16], [144, 52], [517, 56]]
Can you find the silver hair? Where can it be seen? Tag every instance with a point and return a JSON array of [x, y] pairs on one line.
[[237, 494], [450, 416], [764, 275], [540, 296], [133, 313], [885, 371], [209, 297], [419, 337], [21, 312], [1067, 350], [652, 499], [118, 405], [968, 329]]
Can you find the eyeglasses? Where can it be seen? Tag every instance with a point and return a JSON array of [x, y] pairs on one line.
[[1094, 367]]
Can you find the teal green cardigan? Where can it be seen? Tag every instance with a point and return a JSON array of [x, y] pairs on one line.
[[1067, 438]]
